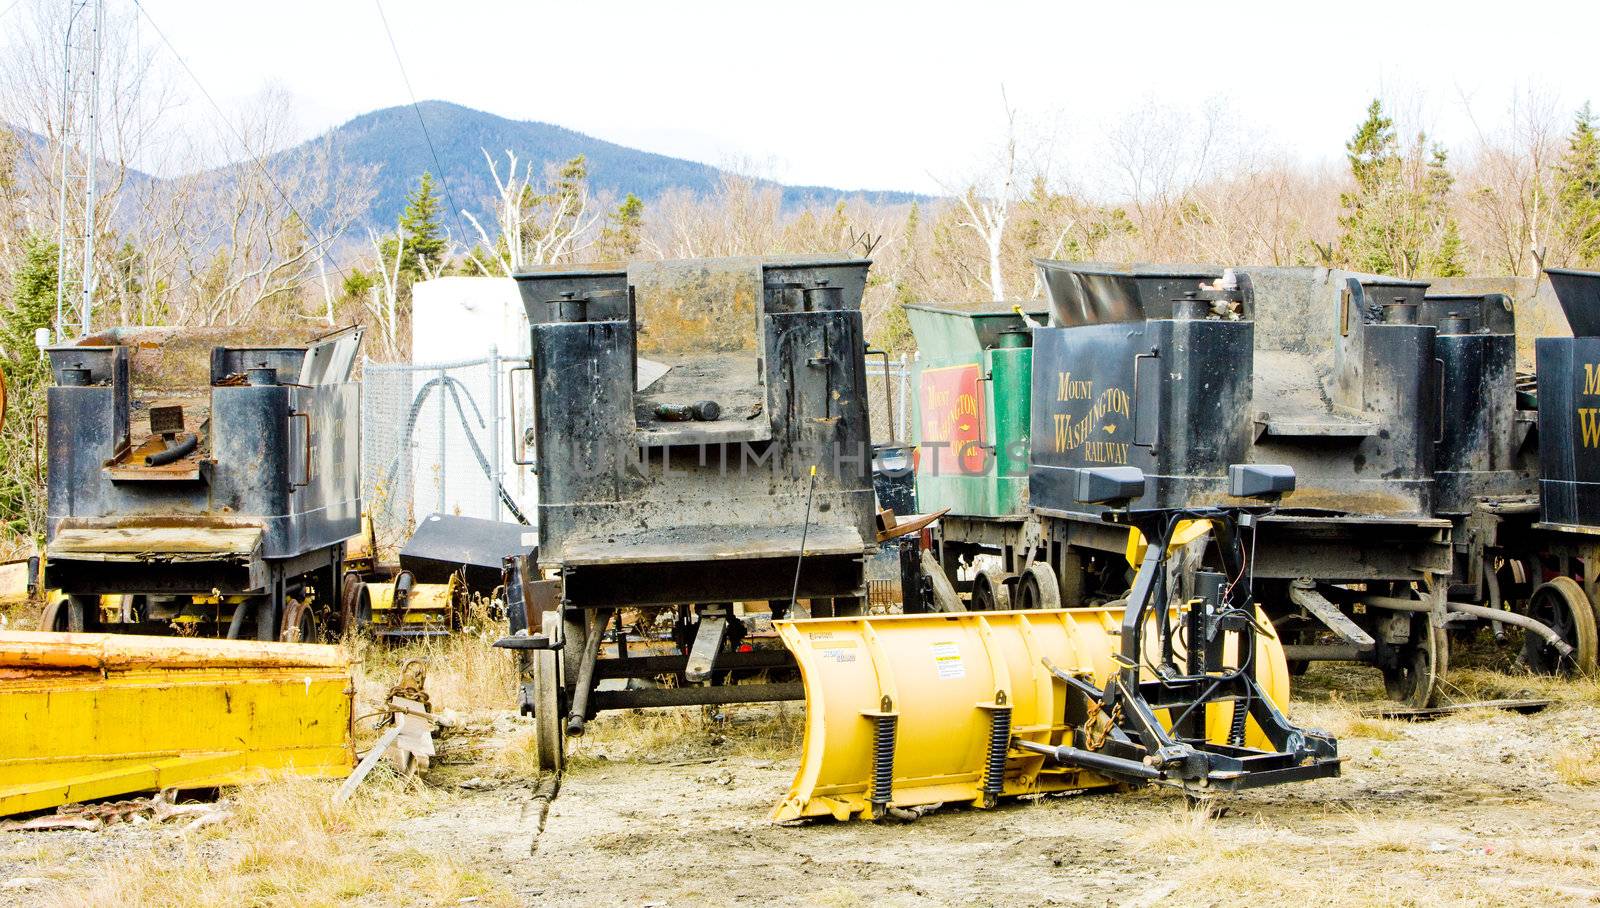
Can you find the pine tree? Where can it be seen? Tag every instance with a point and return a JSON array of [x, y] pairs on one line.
[[1374, 155], [1397, 220], [32, 307], [424, 237], [622, 235], [1578, 190]]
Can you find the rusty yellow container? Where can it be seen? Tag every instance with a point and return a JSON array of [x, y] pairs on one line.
[[89, 716]]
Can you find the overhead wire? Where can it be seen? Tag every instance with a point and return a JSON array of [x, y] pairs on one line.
[[455, 210], [256, 159]]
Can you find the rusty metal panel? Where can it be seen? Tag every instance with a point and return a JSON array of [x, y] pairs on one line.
[[99, 715], [155, 543], [617, 479]]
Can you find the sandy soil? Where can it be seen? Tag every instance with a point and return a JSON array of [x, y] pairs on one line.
[[669, 808]]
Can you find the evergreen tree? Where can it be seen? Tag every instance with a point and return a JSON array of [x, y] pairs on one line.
[[424, 237], [1397, 219], [32, 307], [1578, 190], [622, 235]]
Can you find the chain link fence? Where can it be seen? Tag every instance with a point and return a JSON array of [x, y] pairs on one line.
[[437, 438]]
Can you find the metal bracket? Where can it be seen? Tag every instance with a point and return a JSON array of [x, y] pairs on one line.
[[1329, 614], [707, 642]]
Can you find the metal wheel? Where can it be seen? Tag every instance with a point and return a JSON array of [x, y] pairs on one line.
[[355, 607], [54, 617], [1414, 679], [944, 592], [548, 736], [82, 614], [1562, 605], [990, 593], [299, 622], [1038, 589]]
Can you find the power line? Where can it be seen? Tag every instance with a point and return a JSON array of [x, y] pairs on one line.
[[256, 159], [455, 209]]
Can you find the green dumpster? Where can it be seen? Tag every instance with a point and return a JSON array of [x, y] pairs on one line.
[[973, 379]]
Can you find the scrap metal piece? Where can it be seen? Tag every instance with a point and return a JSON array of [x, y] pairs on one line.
[[1423, 714], [445, 544], [92, 716], [707, 642], [1303, 595]]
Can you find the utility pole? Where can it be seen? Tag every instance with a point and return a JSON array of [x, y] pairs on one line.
[[80, 154]]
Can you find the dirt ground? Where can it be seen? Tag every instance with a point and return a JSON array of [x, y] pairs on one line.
[[668, 808]]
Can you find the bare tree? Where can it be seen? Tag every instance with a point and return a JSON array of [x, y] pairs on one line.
[[534, 228], [384, 301], [135, 95], [1509, 206], [987, 204], [744, 216], [255, 233]]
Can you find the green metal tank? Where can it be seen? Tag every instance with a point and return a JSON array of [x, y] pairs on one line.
[[972, 382]]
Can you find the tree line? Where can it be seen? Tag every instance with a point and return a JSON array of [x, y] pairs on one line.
[[289, 243]]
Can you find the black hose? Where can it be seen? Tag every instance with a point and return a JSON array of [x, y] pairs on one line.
[[451, 384], [182, 449], [236, 625]]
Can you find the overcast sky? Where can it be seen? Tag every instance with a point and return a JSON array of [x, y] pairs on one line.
[[891, 95]]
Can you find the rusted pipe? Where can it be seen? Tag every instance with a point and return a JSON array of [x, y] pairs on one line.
[[1395, 604], [182, 449], [1522, 621], [1398, 604], [1335, 653], [594, 633]]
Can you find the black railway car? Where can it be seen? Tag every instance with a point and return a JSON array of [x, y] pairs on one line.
[[224, 506], [701, 439]]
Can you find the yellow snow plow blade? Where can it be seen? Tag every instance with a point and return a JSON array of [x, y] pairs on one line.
[[96, 715], [912, 710]]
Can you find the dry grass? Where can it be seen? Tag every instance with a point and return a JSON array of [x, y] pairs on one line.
[[767, 730], [465, 672], [1343, 719], [1481, 684], [288, 844], [1577, 765]]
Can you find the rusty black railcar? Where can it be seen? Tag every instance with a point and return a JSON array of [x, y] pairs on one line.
[[1555, 561], [224, 506], [1350, 379], [700, 434]]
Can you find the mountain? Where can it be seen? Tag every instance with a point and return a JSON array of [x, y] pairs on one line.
[[391, 141]]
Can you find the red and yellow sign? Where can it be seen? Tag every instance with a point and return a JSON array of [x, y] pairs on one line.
[[952, 422]]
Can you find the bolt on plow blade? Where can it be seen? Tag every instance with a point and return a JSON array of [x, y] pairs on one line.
[[904, 711]]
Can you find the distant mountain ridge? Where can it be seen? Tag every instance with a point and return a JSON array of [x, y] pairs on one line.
[[391, 140]]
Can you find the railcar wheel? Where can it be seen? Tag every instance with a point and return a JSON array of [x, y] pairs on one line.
[[299, 622], [1038, 588], [82, 613], [944, 592], [990, 593], [549, 738], [352, 597], [1414, 679], [54, 616], [1562, 605]]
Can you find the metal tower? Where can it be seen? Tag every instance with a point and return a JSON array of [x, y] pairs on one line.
[[80, 113]]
